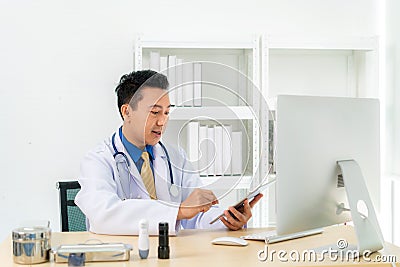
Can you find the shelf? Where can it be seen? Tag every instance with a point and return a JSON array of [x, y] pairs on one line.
[[342, 43], [220, 113], [227, 182], [221, 182], [197, 45]]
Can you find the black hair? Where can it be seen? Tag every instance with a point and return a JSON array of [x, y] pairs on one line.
[[128, 89]]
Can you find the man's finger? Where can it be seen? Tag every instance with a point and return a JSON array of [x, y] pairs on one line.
[[232, 220], [205, 208], [246, 209], [227, 223], [255, 200], [237, 214]]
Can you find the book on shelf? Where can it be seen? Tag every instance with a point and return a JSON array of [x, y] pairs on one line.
[[164, 65], [203, 153], [188, 87], [172, 79], [211, 150], [155, 61], [245, 84], [179, 82], [237, 152], [193, 143], [227, 149], [197, 86], [219, 150]]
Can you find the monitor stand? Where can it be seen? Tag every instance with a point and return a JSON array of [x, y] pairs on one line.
[[368, 232]]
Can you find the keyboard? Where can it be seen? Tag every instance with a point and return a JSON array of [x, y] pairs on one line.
[[272, 237]]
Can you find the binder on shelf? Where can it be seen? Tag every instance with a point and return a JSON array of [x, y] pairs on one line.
[[203, 153], [197, 87], [219, 150], [227, 149], [237, 152], [179, 82], [188, 88], [155, 61], [172, 79], [164, 65], [245, 85], [193, 144], [211, 151]]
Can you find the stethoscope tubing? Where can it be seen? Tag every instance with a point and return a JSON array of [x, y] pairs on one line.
[[116, 152]]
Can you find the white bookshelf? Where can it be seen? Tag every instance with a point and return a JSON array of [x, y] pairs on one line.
[[240, 56], [313, 65], [221, 182], [220, 113]]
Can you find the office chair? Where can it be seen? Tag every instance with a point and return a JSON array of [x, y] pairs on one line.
[[72, 218]]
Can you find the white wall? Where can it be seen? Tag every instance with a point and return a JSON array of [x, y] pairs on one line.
[[60, 62], [393, 107], [393, 79]]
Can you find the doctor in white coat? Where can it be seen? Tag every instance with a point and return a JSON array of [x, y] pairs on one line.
[[116, 191]]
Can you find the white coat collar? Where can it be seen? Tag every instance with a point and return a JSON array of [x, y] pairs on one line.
[[160, 166]]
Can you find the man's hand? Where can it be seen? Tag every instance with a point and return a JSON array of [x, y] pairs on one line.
[[241, 217], [200, 200]]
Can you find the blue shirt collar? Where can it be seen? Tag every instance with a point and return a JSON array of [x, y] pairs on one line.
[[133, 150]]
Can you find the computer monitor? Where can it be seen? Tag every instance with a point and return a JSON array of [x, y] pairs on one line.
[[312, 134]]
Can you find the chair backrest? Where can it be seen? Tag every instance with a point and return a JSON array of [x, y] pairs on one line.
[[72, 218]]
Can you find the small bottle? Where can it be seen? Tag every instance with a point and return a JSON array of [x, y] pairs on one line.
[[163, 241], [143, 241]]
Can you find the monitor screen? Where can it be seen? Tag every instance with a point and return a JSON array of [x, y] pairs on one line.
[[312, 134]]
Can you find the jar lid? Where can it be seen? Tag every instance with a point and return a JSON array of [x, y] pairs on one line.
[[31, 233]]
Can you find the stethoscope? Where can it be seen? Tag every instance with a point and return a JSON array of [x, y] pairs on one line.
[[173, 189]]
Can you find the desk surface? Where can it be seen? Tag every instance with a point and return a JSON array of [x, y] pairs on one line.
[[193, 248]]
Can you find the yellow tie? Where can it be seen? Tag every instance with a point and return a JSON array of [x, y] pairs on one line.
[[147, 176]]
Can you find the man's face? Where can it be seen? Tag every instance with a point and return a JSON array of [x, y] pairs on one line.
[[144, 125]]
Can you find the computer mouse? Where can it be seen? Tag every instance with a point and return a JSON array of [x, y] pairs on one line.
[[229, 241]]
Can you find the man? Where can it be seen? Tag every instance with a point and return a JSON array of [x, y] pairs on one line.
[[132, 176]]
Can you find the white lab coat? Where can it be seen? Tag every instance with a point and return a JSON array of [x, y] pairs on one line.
[[102, 193]]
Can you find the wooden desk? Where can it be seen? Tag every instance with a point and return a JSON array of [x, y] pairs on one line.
[[193, 248]]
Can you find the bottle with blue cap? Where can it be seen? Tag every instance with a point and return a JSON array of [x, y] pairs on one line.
[[143, 241]]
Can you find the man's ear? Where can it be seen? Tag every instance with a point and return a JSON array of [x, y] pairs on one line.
[[125, 110]]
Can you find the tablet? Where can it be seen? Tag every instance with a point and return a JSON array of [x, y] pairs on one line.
[[240, 205]]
